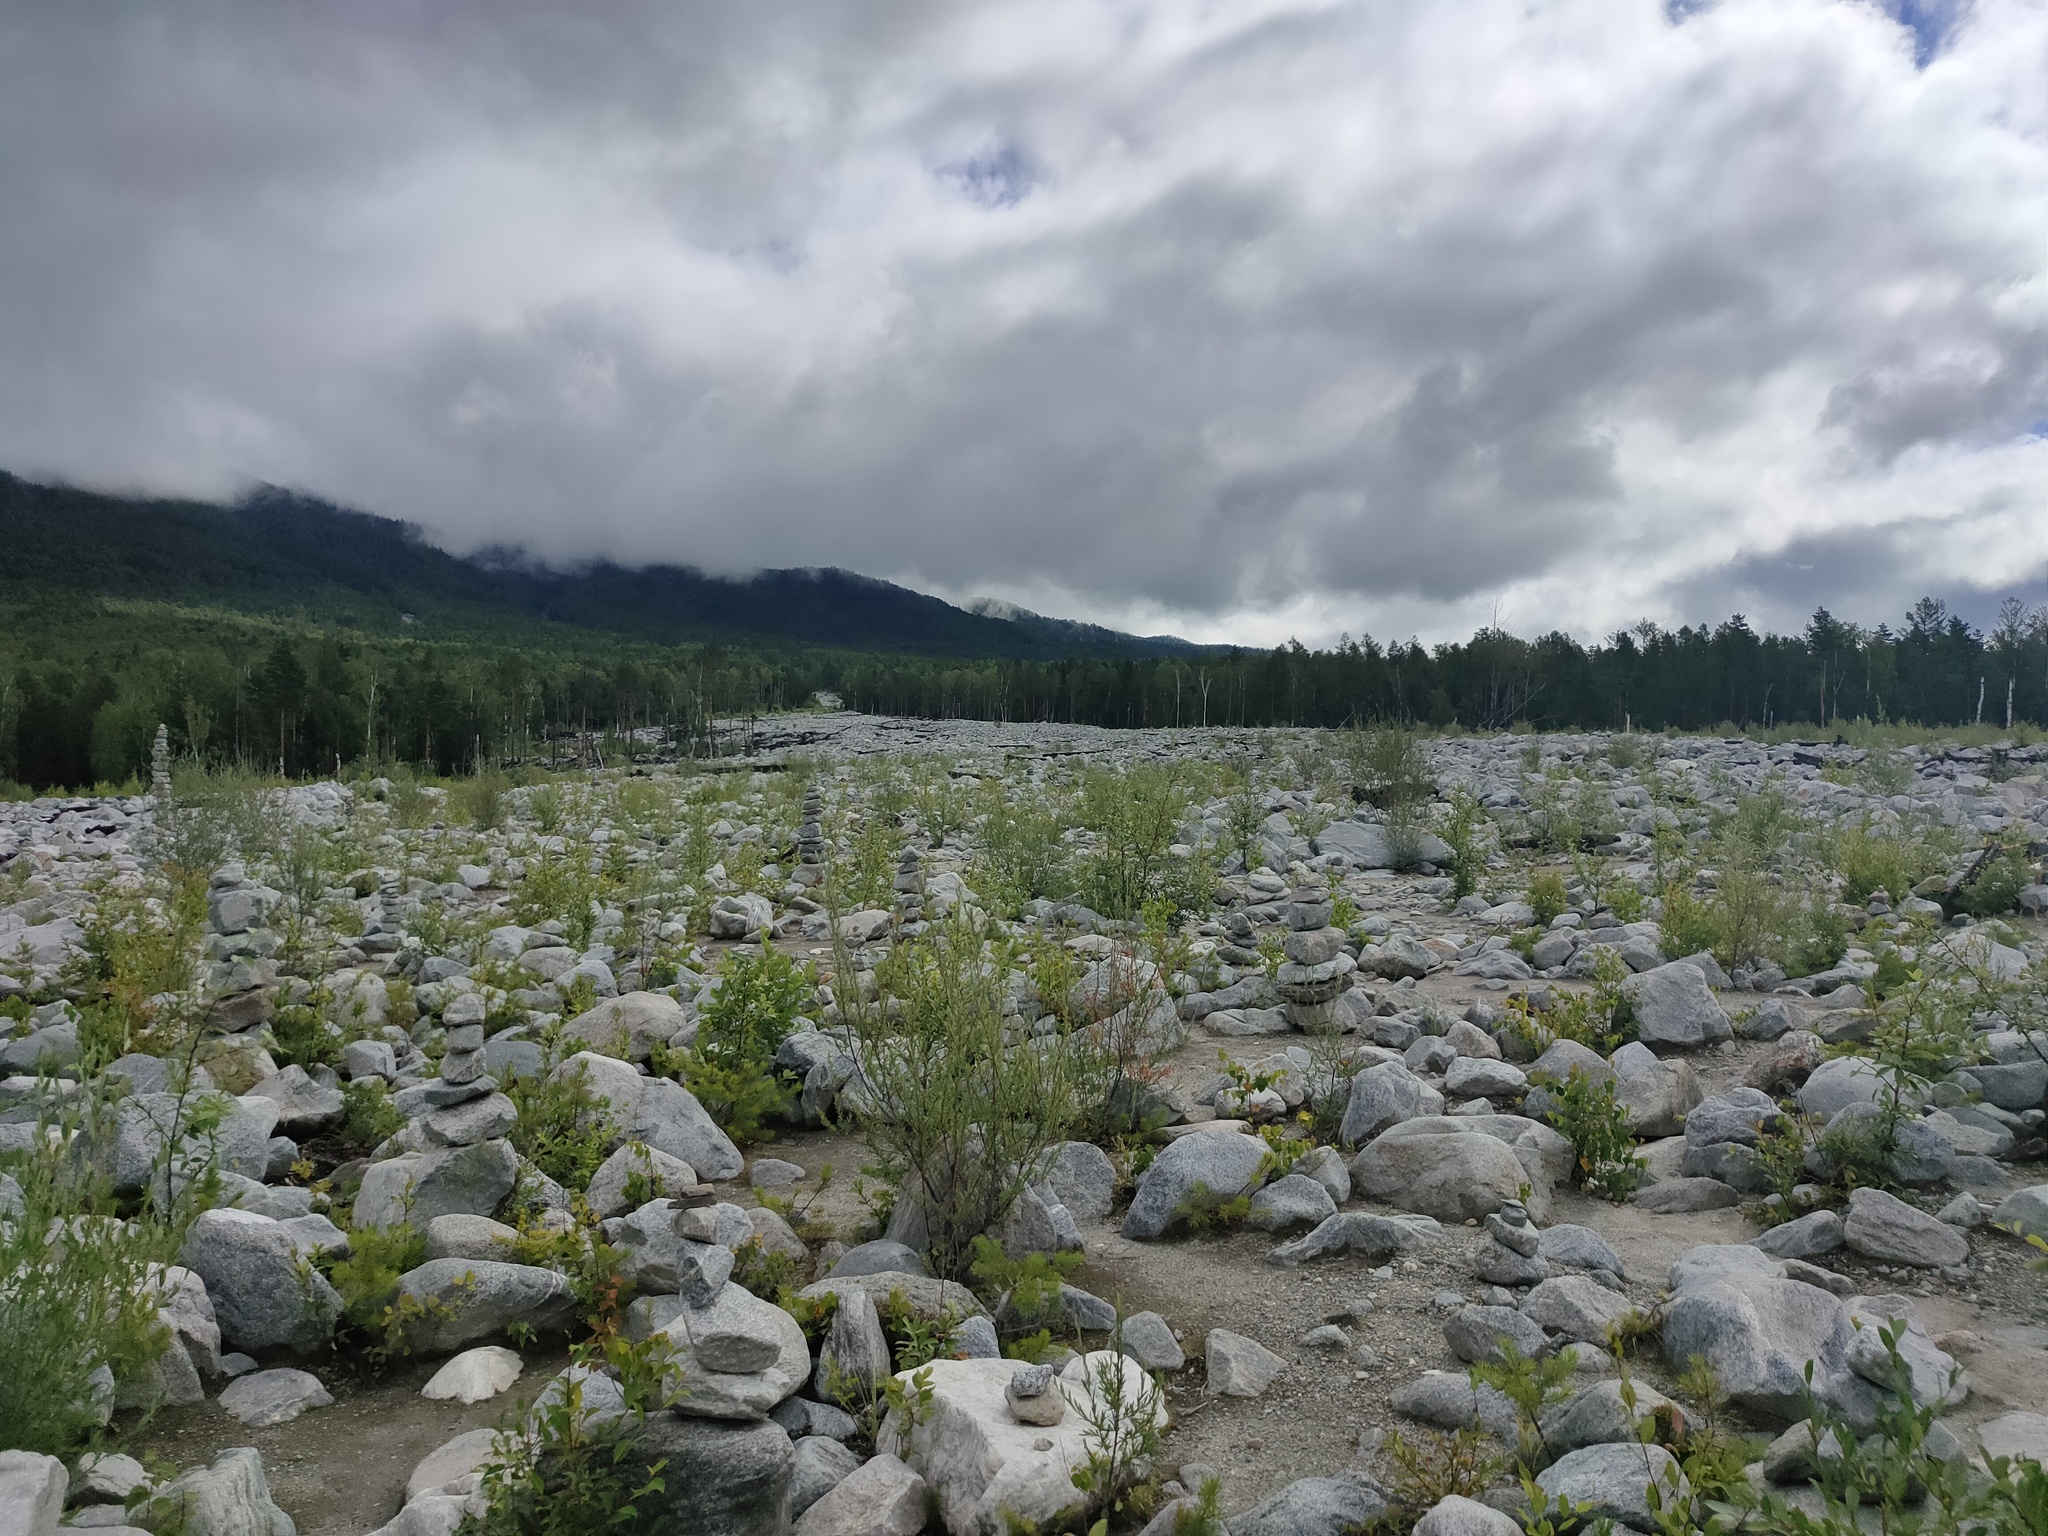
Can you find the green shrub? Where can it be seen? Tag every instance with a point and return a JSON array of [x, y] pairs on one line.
[[1586, 1111], [1997, 887], [368, 1116], [952, 1116], [1547, 896], [373, 1320], [1032, 1282], [1688, 925], [562, 1127], [572, 1476], [731, 1066], [72, 1306]]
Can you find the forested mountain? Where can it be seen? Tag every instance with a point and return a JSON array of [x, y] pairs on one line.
[[274, 633], [284, 555]]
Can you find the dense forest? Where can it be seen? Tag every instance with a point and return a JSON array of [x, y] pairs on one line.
[[85, 681]]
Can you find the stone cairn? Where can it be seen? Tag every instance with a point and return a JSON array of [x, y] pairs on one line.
[[465, 1106], [909, 889], [810, 842], [1511, 1257], [160, 775], [1316, 964]]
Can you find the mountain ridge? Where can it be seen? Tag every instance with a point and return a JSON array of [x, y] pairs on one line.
[[279, 550]]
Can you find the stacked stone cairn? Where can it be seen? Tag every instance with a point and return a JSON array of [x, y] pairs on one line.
[[465, 1106], [1512, 1257], [909, 893], [160, 774], [1316, 965], [810, 842]]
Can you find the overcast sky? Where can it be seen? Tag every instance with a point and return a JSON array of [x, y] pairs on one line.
[[1242, 318]]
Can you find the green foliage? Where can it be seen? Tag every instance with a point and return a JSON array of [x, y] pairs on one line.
[[1022, 854], [562, 1128], [1532, 1386], [367, 1114], [1135, 814], [1627, 903], [559, 886], [1818, 942], [1203, 1209], [77, 1298], [1547, 896], [1461, 833], [768, 1272], [1688, 926], [1996, 889], [1205, 1516], [1122, 1442], [1432, 1466], [1586, 1112], [570, 1475], [1032, 1282], [374, 1319], [1870, 860], [1387, 767], [730, 1068], [952, 1116]]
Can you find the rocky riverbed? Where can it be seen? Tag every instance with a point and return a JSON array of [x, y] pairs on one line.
[[1629, 1051]]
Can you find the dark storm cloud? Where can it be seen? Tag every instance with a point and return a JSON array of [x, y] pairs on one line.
[[1251, 317]]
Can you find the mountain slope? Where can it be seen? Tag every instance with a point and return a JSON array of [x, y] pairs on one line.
[[277, 552]]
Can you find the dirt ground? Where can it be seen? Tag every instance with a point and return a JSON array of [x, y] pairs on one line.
[[341, 1471]]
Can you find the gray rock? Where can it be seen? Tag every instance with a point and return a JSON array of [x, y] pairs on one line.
[[1615, 1480], [878, 1258], [1735, 1307], [717, 1476], [1769, 1020], [799, 1416], [821, 1465], [632, 1024], [1238, 1366], [302, 1104], [974, 1338], [737, 1358], [1326, 1166], [1289, 1202], [1918, 1153], [229, 1498], [854, 1360], [415, 1187], [1809, 1237], [1475, 1333], [1223, 1165], [1456, 1516], [1385, 1095], [1674, 1197], [261, 1296], [1575, 1247], [101, 1477], [1447, 1400], [773, 1173], [927, 1298], [1739, 1114], [134, 1141], [1934, 1378], [1443, 1169], [1675, 1009], [653, 1174], [264, 1398], [1148, 1339], [1885, 1228], [1835, 1085], [469, 1237], [1083, 1177], [1315, 1506], [1964, 1211], [31, 1493], [1373, 1238], [465, 1300], [1475, 1077], [2025, 1210], [2016, 1435], [1600, 1416], [883, 1497], [1658, 1094], [2015, 1086], [660, 1113]]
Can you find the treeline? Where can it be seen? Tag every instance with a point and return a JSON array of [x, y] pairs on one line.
[[83, 688]]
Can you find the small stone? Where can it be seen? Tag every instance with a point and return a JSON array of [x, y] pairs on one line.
[[1238, 1366], [773, 1173], [1147, 1339], [1032, 1399]]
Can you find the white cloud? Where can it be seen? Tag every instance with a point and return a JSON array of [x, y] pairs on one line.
[[1245, 317]]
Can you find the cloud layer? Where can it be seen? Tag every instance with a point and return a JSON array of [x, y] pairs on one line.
[[1245, 317]]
